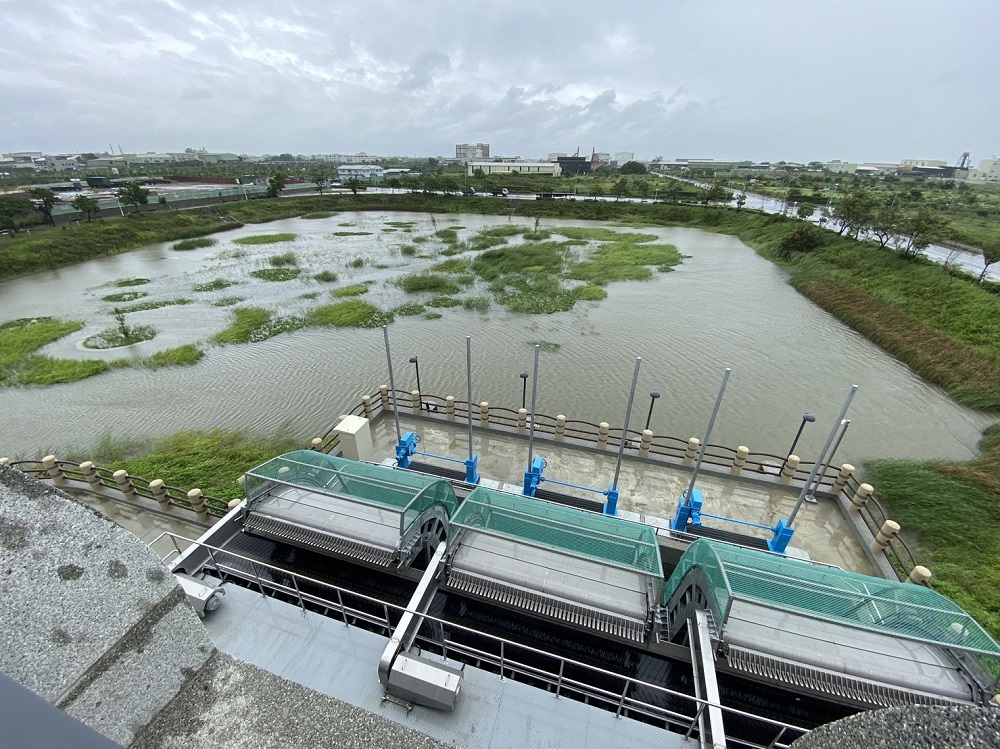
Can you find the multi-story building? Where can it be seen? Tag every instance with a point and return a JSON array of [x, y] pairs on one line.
[[988, 171], [360, 171], [472, 151]]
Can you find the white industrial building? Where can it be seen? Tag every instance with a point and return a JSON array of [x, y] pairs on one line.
[[520, 167], [360, 171]]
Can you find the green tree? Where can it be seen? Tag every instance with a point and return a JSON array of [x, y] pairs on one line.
[[991, 254], [318, 175], [917, 230], [449, 184], [12, 210], [393, 183], [620, 189], [478, 172], [633, 167], [132, 193], [741, 200], [275, 184], [805, 211], [162, 200], [46, 202], [885, 222], [86, 204], [853, 213], [354, 184]]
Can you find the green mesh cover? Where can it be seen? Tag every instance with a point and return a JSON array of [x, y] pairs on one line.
[[870, 603], [564, 529], [375, 485]]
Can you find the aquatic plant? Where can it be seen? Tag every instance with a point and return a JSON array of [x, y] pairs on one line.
[[265, 238]]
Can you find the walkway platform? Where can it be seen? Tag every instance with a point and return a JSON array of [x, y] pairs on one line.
[[342, 662]]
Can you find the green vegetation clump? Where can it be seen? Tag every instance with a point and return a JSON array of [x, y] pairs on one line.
[[353, 313], [420, 239], [318, 214], [276, 274], [448, 236], [409, 250], [309, 295], [215, 285], [480, 303], [228, 301], [254, 324], [453, 265], [351, 233], [210, 461], [353, 290], [265, 238], [549, 347], [590, 293], [537, 236], [624, 261], [125, 296], [546, 257], [358, 262], [194, 244], [19, 339], [534, 295], [180, 356], [444, 301], [600, 234], [431, 282], [400, 224], [325, 276], [433, 316], [409, 310], [45, 370], [145, 306], [287, 258], [125, 282], [116, 337]]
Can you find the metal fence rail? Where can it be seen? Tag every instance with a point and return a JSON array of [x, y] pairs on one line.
[[503, 654]]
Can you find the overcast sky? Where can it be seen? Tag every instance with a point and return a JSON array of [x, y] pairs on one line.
[[875, 80]]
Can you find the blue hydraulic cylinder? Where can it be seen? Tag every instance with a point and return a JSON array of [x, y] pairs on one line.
[[472, 470], [688, 511], [406, 448], [782, 535], [533, 477]]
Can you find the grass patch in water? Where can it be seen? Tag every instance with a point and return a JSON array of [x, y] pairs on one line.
[[131, 282], [351, 233], [546, 257], [419, 239], [448, 236], [174, 357], [479, 303], [325, 276], [454, 265], [548, 347], [600, 234], [44, 370], [194, 244], [433, 316], [358, 262], [537, 236], [508, 230], [401, 224], [125, 296], [318, 214], [409, 250], [210, 461], [436, 283], [287, 258], [19, 339], [265, 238], [444, 301], [309, 295], [145, 306], [216, 285], [114, 338], [625, 261], [253, 324], [409, 310], [228, 301], [353, 290], [276, 274], [534, 295], [351, 313]]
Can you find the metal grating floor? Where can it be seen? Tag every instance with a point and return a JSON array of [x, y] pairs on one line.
[[342, 662]]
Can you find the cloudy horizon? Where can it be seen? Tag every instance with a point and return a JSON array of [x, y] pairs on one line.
[[773, 80]]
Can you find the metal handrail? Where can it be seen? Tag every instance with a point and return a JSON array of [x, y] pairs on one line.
[[622, 701]]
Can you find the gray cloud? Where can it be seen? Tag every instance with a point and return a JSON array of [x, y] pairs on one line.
[[775, 79]]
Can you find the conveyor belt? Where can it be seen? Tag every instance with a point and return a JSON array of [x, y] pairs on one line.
[[729, 537]]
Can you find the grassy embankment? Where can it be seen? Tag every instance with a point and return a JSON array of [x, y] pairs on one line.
[[210, 461]]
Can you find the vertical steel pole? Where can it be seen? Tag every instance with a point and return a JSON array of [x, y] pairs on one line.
[[822, 455], [392, 384], [468, 376], [534, 395], [708, 435], [833, 451], [628, 413]]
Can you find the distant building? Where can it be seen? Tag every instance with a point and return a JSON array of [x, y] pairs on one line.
[[573, 164], [520, 167], [107, 162], [988, 171], [840, 167], [24, 155], [623, 157], [152, 158], [924, 162], [472, 151], [360, 171], [63, 163], [556, 155], [344, 158]]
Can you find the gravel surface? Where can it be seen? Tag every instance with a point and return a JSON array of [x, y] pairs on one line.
[[233, 704], [919, 727]]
